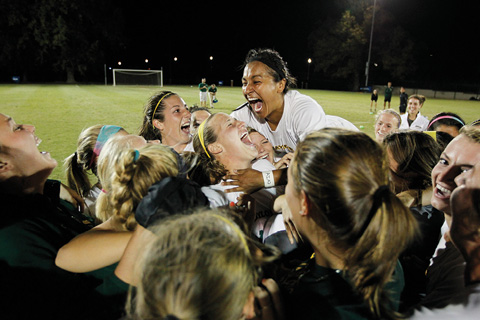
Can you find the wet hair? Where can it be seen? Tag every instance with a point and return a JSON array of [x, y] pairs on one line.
[[344, 175], [154, 109], [276, 64], [416, 154]]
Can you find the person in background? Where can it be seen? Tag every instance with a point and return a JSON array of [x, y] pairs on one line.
[[402, 108], [212, 94], [166, 118], [448, 122], [341, 204], [386, 121], [413, 119], [388, 95], [373, 101], [203, 87]]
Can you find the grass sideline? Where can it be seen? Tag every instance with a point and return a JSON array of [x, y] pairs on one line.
[[61, 112]]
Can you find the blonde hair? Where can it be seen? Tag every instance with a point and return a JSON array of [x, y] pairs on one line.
[[126, 178], [199, 266], [345, 176]]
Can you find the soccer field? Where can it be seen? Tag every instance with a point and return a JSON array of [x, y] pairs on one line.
[[61, 112]]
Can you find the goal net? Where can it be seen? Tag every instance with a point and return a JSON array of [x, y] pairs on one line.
[[138, 77]]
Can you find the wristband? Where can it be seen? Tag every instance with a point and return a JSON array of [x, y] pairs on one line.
[[268, 179]]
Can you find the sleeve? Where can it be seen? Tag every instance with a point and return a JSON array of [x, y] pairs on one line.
[[308, 116]]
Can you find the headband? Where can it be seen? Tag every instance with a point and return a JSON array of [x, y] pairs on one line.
[[200, 136], [158, 103], [105, 133], [236, 229], [446, 117]]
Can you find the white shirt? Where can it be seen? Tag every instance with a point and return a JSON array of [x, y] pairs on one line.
[[339, 122], [264, 198], [419, 124], [301, 115]]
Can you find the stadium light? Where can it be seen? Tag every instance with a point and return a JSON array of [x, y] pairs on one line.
[[146, 60], [119, 63], [370, 46], [211, 58]]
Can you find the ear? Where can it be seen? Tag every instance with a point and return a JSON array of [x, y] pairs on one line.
[[304, 204], [158, 124], [281, 85], [215, 148]]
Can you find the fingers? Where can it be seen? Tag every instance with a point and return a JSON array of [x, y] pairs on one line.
[[268, 301]]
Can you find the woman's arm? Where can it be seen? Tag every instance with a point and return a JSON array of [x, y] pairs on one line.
[[94, 249]]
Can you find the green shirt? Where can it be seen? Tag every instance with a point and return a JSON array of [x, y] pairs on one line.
[[203, 87]]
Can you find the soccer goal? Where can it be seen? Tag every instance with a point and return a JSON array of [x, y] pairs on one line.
[[138, 77]]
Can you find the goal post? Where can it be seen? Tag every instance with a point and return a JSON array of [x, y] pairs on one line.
[[138, 77]]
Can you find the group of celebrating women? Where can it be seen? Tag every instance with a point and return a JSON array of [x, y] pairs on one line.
[[276, 211]]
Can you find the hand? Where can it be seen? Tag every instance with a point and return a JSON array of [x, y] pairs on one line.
[[268, 302], [285, 161], [280, 205], [246, 207], [465, 228], [245, 180], [72, 196]]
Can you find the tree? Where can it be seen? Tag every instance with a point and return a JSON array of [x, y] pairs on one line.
[[340, 43], [69, 36]]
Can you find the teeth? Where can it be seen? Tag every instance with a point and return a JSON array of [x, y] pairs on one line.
[[444, 190]]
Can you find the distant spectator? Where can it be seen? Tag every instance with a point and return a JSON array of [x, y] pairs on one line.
[[373, 101], [388, 95], [403, 101]]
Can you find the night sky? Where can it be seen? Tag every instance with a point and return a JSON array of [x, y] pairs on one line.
[[226, 30]]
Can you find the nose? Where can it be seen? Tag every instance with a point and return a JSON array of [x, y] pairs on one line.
[[29, 127], [449, 174], [247, 88]]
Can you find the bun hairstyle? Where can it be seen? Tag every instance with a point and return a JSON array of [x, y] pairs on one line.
[[275, 62], [344, 174], [418, 97]]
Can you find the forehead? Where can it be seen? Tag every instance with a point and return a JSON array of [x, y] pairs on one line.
[[463, 150], [256, 68], [256, 136], [174, 101], [200, 114], [387, 117]]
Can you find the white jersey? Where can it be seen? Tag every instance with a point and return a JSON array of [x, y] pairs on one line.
[[338, 122], [301, 115], [264, 198], [419, 124]]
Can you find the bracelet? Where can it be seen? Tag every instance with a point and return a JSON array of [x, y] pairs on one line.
[[268, 179]]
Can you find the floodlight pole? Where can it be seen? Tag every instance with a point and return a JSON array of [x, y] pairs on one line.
[[367, 67]]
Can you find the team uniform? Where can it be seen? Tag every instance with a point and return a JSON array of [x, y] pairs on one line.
[[203, 92], [419, 124], [301, 115]]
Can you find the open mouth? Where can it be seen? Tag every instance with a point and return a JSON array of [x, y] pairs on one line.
[[245, 138], [256, 104], [442, 192], [185, 128]]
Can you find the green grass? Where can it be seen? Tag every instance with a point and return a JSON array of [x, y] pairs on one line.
[[61, 112]]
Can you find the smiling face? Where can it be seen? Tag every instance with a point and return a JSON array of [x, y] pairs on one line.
[[233, 147], [461, 154], [264, 147], [261, 91], [19, 155], [414, 106], [385, 124], [175, 128]]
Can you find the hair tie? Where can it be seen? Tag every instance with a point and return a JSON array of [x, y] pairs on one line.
[[158, 103], [446, 117], [105, 133], [200, 136], [136, 156], [379, 194]]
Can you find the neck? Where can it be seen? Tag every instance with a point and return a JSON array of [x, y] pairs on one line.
[[276, 115], [412, 116], [18, 186], [235, 164]]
